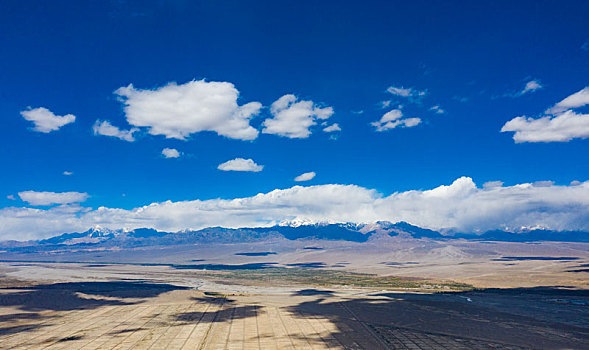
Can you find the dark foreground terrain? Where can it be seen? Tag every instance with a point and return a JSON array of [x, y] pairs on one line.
[[103, 306]]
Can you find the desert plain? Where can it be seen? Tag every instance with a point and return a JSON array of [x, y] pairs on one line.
[[303, 294]]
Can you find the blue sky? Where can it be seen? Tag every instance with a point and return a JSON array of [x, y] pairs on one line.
[[471, 59]]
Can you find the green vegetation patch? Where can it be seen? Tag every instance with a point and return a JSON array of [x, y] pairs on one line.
[[326, 278]]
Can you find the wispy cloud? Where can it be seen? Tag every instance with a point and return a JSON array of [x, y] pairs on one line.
[[531, 86], [332, 128], [437, 109], [406, 92], [305, 176], [461, 99], [393, 119], [385, 104], [576, 100], [50, 198], [105, 128]]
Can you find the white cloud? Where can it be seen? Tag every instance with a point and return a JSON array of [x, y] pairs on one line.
[[105, 128], [170, 153], [393, 119], [576, 100], [332, 128], [492, 184], [177, 111], [67, 173], [385, 104], [45, 121], [410, 122], [562, 128], [437, 109], [560, 124], [461, 206], [50, 198], [531, 86], [11, 197], [240, 164], [305, 176], [294, 119], [406, 92], [543, 183]]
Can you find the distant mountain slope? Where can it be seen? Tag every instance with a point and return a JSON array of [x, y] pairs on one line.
[[529, 236], [102, 237]]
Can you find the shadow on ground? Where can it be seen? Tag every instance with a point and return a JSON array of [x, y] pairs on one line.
[[81, 295], [225, 310], [544, 317]]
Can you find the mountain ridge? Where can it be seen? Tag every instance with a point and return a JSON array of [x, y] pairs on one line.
[[359, 233]]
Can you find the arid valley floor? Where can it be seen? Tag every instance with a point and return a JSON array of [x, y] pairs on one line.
[[388, 294]]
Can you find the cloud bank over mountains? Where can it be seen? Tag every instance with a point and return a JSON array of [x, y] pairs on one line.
[[461, 206]]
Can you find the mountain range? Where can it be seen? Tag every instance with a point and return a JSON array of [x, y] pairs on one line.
[[142, 237]]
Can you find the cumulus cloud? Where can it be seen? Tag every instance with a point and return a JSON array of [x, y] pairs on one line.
[[393, 119], [560, 124], [170, 153], [293, 119], [562, 128], [45, 121], [177, 111], [105, 128], [332, 128], [51, 198], [240, 164], [305, 176], [67, 173], [461, 206]]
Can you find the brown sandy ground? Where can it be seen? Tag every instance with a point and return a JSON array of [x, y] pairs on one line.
[[481, 264], [152, 308]]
